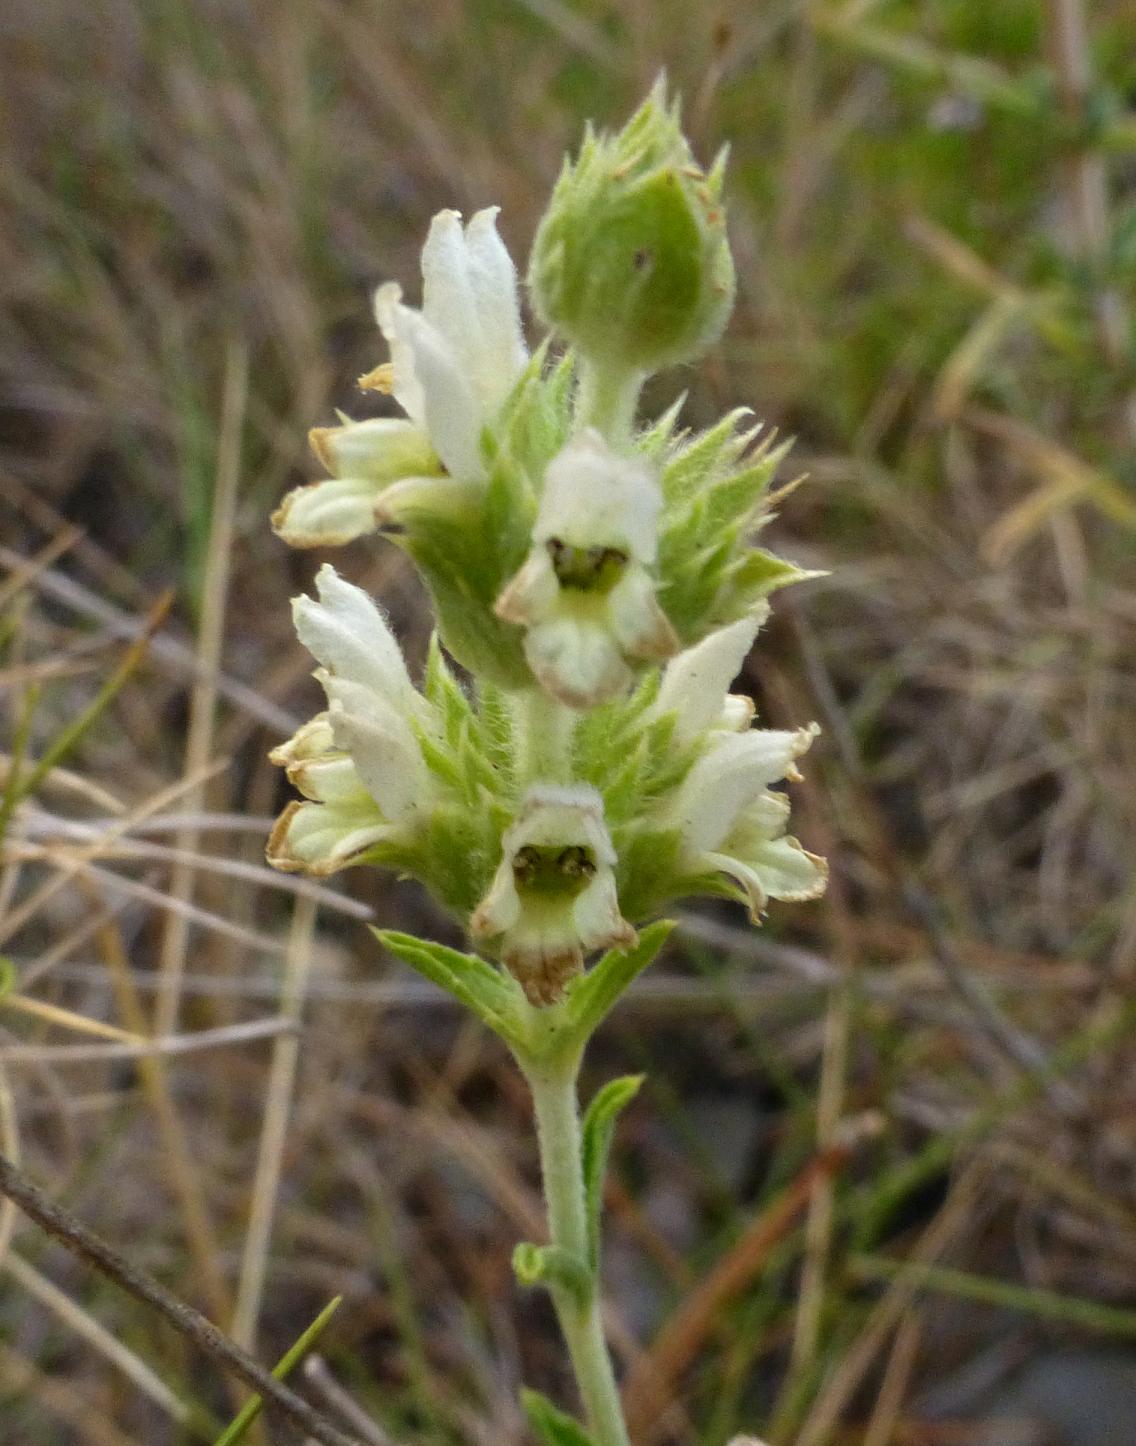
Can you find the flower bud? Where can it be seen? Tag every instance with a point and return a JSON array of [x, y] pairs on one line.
[[631, 262]]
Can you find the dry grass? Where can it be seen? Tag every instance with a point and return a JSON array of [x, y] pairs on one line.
[[197, 196]]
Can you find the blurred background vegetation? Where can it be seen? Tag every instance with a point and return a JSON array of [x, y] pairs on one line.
[[881, 1184]]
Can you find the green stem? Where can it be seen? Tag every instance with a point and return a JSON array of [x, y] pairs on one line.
[[558, 1132], [607, 400], [545, 737]]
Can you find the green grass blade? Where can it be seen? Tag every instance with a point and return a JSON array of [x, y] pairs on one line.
[[252, 1408]]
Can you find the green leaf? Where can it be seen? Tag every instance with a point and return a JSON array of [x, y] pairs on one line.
[[439, 759], [599, 1129], [471, 981], [653, 441], [691, 578], [759, 573], [592, 995], [550, 1265], [703, 457], [457, 853], [736, 496], [495, 719], [648, 874], [446, 693], [552, 1426], [252, 1408]]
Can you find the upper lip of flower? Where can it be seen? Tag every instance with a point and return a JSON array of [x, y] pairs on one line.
[[695, 684], [729, 822], [594, 497], [452, 365], [453, 362], [734, 771]]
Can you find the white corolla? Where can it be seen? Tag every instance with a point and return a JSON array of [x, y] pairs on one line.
[[452, 365], [359, 764], [553, 897], [729, 818], [732, 823], [585, 594]]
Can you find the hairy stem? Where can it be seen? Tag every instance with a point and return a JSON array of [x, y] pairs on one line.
[[558, 1132], [607, 400], [545, 738]]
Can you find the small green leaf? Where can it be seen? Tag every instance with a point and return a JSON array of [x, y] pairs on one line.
[[759, 573], [471, 981], [599, 1128], [551, 1425], [550, 1265], [733, 499], [439, 759], [592, 995], [702, 457], [446, 693], [649, 873], [252, 1408], [8, 975]]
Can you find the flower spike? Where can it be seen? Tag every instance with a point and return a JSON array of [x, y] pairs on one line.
[[597, 581]]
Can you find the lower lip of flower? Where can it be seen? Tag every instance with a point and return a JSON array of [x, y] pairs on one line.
[[553, 871], [586, 569]]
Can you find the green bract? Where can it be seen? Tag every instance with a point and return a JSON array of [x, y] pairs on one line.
[[631, 262]]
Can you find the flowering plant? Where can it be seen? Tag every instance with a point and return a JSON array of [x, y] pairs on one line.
[[598, 582]]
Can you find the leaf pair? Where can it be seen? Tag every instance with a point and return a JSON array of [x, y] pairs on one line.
[[534, 1035]]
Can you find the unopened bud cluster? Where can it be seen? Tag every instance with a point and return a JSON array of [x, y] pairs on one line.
[[631, 261], [597, 581]]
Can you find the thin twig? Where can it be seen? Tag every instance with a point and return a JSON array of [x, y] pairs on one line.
[[14, 920], [1019, 1046], [317, 1373], [191, 1324], [10, 1145], [174, 1044], [166, 649], [893, 1387], [135, 849], [95, 1334]]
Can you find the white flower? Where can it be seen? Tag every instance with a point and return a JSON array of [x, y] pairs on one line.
[[359, 764], [366, 460], [553, 898], [452, 365], [338, 821], [453, 362], [585, 594], [731, 823], [695, 683]]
